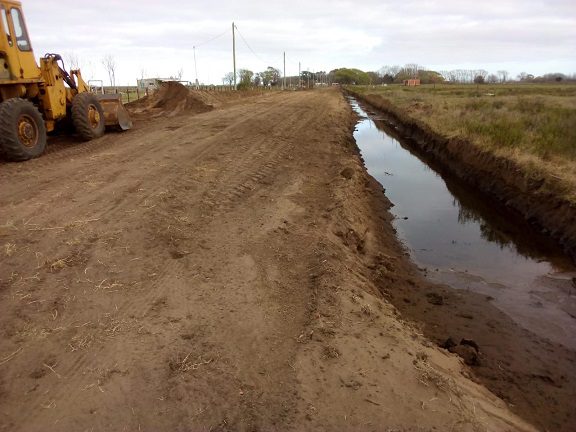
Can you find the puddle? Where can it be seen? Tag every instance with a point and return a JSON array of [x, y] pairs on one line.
[[467, 240]]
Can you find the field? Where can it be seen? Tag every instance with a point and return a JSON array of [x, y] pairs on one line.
[[222, 266], [530, 123]]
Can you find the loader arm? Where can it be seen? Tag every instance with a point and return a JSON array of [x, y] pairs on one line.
[[81, 85]]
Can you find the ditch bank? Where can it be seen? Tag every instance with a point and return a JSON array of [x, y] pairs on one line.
[[537, 199], [533, 374]]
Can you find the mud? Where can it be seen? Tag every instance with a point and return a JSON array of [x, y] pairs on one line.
[[538, 200]]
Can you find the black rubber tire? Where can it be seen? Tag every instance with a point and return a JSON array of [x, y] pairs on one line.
[[84, 106], [18, 116]]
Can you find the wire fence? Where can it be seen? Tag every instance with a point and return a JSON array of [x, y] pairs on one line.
[[133, 93]]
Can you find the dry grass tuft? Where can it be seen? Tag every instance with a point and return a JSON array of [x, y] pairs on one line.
[[330, 352], [9, 249], [182, 364]]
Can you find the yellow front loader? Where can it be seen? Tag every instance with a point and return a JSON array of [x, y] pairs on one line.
[[33, 99]]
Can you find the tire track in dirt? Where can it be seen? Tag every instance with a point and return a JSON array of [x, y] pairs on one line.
[[232, 187]]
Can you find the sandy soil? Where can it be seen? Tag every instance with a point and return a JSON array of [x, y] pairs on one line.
[[216, 271]]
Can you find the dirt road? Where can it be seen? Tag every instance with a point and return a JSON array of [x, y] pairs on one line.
[[208, 272]]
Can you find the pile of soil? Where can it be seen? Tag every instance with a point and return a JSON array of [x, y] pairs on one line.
[[171, 99], [219, 98]]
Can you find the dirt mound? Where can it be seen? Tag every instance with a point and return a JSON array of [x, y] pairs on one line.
[[221, 98], [171, 99]]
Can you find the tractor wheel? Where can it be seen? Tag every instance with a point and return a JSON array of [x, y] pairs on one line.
[[22, 130], [87, 116]]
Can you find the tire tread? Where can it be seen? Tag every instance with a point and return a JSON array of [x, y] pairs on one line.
[[10, 147]]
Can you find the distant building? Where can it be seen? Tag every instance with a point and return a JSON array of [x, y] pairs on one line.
[[153, 84], [412, 82]]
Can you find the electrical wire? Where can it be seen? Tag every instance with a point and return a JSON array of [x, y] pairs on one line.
[[212, 39], [248, 45]]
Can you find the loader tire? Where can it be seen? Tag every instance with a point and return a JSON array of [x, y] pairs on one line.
[[22, 130], [87, 116]]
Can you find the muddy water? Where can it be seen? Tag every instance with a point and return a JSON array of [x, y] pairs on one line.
[[468, 241]]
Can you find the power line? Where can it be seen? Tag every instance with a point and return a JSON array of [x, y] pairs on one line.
[[202, 44], [212, 39], [249, 47]]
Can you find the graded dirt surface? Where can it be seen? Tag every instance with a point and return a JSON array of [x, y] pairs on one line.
[[216, 271]]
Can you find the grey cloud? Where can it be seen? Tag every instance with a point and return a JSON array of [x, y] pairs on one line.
[[323, 35]]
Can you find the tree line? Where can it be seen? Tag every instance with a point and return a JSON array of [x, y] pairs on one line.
[[388, 75], [246, 78], [397, 74]]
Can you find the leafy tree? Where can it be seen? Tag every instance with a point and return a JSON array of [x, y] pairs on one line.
[[387, 78], [349, 76], [245, 77], [374, 78], [271, 76], [430, 77]]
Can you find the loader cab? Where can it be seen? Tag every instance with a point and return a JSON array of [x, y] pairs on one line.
[[17, 62]]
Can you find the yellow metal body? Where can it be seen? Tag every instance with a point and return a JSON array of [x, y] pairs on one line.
[[47, 85]]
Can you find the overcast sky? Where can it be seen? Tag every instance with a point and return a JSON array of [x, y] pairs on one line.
[[156, 39]]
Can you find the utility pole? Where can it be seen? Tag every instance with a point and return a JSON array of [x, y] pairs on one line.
[[299, 76], [234, 52], [284, 80], [195, 69]]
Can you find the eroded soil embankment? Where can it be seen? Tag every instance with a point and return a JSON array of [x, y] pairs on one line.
[[536, 198], [534, 375]]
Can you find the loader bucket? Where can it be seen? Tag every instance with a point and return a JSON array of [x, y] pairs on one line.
[[114, 112]]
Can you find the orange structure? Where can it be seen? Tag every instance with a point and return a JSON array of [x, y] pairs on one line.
[[412, 82]]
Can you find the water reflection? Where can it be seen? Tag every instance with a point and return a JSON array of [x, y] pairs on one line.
[[497, 224], [470, 240]]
